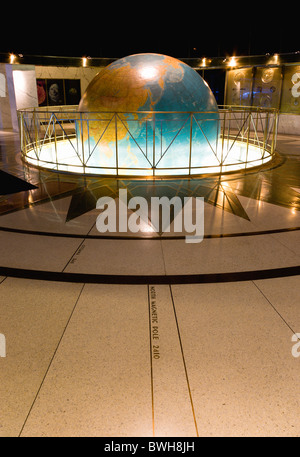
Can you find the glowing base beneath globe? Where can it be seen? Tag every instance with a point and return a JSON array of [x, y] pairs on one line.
[[62, 157]]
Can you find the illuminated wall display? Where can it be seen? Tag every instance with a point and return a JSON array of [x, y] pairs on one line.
[[239, 87], [290, 102], [56, 92], [269, 87], [266, 87], [296, 81]]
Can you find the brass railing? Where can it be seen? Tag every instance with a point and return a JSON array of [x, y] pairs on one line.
[[147, 142]]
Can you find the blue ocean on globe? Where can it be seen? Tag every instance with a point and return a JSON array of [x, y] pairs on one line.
[[167, 117]]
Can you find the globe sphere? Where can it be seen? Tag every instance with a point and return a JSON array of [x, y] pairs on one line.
[[144, 82], [167, 115]]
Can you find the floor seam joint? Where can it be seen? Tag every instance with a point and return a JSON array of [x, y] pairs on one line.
[[50, 363]]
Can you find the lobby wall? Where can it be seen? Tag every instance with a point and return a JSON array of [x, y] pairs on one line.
[[8, 107], [84, 74]]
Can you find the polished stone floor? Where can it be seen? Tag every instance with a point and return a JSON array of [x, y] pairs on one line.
[[143, 334]]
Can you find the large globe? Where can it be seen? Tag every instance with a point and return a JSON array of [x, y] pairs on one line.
[[167, 117]]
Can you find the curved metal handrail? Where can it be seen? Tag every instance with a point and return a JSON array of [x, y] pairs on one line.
[[48, 127]]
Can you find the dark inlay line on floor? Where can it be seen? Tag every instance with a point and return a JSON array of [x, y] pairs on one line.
[[153, 238], [150, 279]]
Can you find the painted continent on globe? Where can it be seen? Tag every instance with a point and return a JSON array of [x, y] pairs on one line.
[[154, 96]]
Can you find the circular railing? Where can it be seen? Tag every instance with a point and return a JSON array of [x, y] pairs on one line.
[[147, 143]]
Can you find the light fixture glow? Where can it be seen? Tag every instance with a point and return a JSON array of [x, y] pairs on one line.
[[232, 62], [12, 58], [84, 61], [273, 60], [204, 62]]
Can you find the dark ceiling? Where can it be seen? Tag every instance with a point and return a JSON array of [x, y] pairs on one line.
[[180, 30]]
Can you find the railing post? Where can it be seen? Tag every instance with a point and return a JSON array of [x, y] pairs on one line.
[[248, 136], [274, 137], [256, 128], [54, 128], [116, 136], [147, 138], [82, 141], [191, 133], [35, 131], [20, 120], [223, 136], [266, 127], [153, 155]]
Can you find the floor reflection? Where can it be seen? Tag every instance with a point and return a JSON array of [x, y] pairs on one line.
[[22, 186]]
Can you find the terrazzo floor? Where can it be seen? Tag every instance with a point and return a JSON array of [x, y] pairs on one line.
[[142, 336]]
